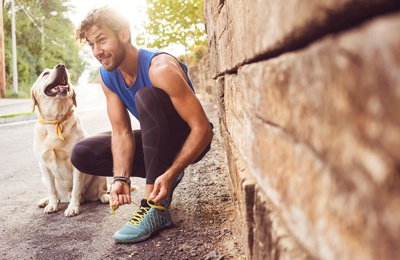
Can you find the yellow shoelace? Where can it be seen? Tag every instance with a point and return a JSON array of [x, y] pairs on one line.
[[112, 209], [142, 211]]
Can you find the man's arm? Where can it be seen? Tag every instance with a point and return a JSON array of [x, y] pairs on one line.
[[122, 146], [166, 74]]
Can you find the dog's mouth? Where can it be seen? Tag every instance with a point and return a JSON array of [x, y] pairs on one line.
[[60, 85], [53, 89]]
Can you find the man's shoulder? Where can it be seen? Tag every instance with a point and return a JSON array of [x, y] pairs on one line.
[[148, 53], [149, 50], [153, 53]]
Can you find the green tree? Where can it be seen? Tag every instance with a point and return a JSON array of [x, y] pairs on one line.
[[173, 22], [44, 36]]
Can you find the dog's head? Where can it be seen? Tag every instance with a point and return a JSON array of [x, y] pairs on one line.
[[53, 86]]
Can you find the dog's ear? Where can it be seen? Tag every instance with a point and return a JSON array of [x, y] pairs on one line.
[[74, 99], [34, 101]]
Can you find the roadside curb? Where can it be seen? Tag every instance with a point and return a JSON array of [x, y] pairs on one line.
[[17, 118]]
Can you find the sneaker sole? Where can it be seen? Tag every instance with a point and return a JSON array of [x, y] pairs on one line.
[[137, 240]]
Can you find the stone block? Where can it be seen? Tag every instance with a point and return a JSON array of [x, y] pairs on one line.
[[322, 139], [243, 191], [272, 240], [341, 96], [220, 87], [243, 31], [265, 234]]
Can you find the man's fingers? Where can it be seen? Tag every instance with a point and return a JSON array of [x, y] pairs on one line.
[[114, 201], [154, 194], [123, 199], [158, 193], [119, 195]]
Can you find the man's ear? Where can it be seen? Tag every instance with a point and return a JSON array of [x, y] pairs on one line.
[[124, 35]]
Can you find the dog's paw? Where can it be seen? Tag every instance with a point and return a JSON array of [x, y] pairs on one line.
[[50, 208], [43, 202], [104, 198], [72, 210]]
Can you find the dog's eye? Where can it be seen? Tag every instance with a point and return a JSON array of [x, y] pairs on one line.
[[46, 73]]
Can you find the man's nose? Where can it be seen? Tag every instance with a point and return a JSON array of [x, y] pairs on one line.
[[97, 50]]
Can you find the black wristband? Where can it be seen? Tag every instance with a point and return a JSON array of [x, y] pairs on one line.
[[122, 179]]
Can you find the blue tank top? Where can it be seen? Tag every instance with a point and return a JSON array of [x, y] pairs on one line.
[[114, 81]]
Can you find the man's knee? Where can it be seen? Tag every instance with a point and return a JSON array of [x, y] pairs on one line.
[[79, 156]]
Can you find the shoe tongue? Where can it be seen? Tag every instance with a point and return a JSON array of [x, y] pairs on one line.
[[143, 203]]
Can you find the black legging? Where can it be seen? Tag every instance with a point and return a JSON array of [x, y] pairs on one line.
[[161, 137]]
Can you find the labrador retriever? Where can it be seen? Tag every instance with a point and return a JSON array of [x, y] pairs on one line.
[[57, 130]]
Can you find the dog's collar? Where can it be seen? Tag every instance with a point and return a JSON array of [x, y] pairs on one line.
[[57, 122]]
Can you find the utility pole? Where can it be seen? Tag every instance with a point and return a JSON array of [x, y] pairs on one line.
[[14, 50], [2, 56]]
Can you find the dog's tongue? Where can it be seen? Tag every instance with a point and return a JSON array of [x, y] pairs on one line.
[[59, 88]]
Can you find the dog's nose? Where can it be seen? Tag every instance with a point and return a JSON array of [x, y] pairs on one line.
[[60, 66]]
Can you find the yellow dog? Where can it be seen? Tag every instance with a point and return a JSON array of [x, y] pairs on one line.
[[57, 130]]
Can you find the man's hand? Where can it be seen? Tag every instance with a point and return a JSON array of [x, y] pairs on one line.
[[162, 187], [120, 194]]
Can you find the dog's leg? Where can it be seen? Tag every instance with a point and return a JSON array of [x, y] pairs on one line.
[[50, 204], [102, 192], [76, 194]]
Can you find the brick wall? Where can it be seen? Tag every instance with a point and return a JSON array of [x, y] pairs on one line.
[[309, 105]]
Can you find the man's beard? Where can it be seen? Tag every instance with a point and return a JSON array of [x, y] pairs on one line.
[[117, 58]]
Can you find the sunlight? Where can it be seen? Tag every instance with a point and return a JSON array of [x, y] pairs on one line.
[[135, 11]]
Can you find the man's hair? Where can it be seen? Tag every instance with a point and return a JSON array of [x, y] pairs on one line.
[[102, 16]]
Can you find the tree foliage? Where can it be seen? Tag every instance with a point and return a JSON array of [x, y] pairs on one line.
[[32, 17], [173, 22]]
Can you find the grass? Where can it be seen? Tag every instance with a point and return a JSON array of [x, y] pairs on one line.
[[22, 93], [16, 114]]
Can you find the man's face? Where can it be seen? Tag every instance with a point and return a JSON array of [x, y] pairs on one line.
[[106, 47]]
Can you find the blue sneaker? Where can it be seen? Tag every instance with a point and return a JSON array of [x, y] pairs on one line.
[[145, 223], [167, 201]]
